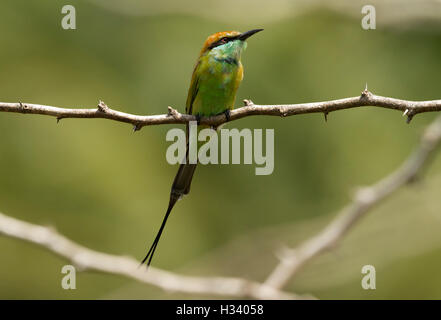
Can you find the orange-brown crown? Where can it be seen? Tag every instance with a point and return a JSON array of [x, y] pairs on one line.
[[216, 37]]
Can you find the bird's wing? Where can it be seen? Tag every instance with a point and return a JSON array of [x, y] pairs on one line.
[[193, 91]]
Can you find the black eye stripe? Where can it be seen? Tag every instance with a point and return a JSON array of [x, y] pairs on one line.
[[222, 41]]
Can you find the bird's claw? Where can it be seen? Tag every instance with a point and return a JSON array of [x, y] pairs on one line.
[[227, 115], [198, 118]]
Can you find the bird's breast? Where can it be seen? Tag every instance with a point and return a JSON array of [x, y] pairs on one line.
[[219, 80]]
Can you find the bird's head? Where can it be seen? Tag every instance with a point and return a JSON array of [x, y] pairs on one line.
[[227, 43]]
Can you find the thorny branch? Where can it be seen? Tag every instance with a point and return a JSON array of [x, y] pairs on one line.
[[409, 108]]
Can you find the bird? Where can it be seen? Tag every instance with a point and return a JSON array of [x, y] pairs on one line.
[[216, 77]]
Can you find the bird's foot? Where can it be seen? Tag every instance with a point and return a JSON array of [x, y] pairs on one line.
[[227, 115], [198, 118]]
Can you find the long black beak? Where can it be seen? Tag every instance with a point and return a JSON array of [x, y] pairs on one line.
[[248, 34]]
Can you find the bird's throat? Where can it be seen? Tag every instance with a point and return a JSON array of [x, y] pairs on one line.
[[229, 52]]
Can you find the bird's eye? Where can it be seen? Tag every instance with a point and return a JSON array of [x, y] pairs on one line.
[[224, 40]]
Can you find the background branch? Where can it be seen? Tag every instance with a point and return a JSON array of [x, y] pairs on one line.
[[292, 260], [410, 108], [87, 259]]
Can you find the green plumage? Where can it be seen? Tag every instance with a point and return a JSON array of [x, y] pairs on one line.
[[216, 78]]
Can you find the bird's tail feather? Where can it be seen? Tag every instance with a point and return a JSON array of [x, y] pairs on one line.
[[181, 186]]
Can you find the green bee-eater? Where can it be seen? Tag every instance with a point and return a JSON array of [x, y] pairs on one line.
[[216, 78]]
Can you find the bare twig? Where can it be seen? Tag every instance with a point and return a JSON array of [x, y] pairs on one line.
[[410, 109], [87, 259], [292, 260]]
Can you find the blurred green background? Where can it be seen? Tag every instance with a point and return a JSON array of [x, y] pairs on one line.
[[107, 188]]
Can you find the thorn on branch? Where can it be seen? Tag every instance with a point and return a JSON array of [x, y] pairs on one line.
[[137, 127], [173, 112], [326, 115], [22, 106], [102, 107], [58, 119], [283, 111], [248, 103], [365, 93], [409, 114]]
